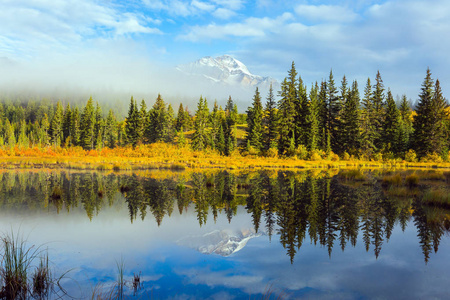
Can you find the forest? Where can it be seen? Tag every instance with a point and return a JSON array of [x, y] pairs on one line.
[[325, 121]]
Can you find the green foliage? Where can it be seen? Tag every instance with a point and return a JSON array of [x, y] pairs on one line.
[[254, 124]]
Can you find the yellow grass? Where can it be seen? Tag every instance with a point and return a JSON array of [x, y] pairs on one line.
[[171, 157]]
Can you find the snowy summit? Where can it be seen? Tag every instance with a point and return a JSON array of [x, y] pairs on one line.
[[226, 70]]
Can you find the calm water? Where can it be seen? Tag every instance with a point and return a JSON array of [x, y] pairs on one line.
[[234, 236]]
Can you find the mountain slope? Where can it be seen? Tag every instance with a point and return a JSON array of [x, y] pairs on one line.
[[226, 70]]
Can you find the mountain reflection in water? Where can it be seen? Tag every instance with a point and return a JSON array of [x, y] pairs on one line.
[[296, 209]]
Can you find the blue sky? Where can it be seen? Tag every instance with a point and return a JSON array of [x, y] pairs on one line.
[[128, 45]]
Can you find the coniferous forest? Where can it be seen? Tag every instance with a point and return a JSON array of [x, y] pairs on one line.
[[327, 120]]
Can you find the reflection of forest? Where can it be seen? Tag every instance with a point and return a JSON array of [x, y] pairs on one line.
[[295, 206]]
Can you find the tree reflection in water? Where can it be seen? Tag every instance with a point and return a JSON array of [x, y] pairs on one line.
[[324, 208]]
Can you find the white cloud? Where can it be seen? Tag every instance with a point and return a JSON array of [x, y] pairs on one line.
[[328, 13], [251, 27], [223, 13], [203, 5], [231, 4]]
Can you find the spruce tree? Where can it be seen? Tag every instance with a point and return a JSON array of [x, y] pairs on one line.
[[313, 117], [270, 121], [132, 123], [391, 125], [350, 120], [180, 120], [67, 120], [301, 117], [438, 132], [111, 130], [75, 127], [286, 110], [87, 126], [378, 111], [142, 121], [405, 126], [200, 138], [56, 126], [367, 126], [254, 123], [422, 121]]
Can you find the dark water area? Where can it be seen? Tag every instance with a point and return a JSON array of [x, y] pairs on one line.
[[221, 235]]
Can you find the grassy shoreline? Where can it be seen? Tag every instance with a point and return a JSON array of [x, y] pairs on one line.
[[170, 157]]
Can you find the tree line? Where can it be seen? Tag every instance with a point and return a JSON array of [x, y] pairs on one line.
[[294, 207], [320, 123]]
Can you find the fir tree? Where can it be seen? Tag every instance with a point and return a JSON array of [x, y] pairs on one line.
[[378, 111], [391, 125], [286, 112], [67, 120], [111, 130], [132, 123], [75, 127], [180, 120], [87, 126], [199, 138], [301, 117], [142, 121], [422, 122], [270, 121], [254, 123], [367, 126], [405, 126], [438, 132], [350, 120], [56, 126], [313, 117]]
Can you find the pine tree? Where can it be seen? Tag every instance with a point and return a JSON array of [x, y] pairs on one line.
[[23, 140], [200, 138], [270, 121], [301, 117], [405, 126], [56, 126], [438, 131], [67, 120], [170, 125], [350, 120], [367, 126], [180, 120], [75, 127], [158, 125], [286, 112], [332, 118], [254, 123], [323, 113], [87, 126], [111, 130], [422, 122], [142, 121], [43, 131], [391, 125], [378, 111], [132, 123], [313, 117]]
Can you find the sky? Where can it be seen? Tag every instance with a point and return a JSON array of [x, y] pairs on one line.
[[132, 47]]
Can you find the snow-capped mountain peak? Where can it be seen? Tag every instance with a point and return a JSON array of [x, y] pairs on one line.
[[226, 70]]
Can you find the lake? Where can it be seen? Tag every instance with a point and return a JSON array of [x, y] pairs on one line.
[[226, 235]]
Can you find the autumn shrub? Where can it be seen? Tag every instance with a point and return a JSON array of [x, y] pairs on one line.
[[333, 156], [301, 152], [346, 156], [272, 152], [378, 157], [432, 157], [316, 155], [411, 156]]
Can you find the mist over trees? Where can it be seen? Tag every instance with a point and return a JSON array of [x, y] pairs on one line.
[[323, 121]]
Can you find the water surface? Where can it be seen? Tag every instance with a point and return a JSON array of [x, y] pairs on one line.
[[222, 235]]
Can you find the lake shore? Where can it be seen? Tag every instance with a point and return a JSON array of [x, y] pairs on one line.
[[166, 156]]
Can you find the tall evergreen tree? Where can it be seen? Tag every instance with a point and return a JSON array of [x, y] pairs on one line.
[[56, 126], [87, 125], [111, 130], [132, 123], [200, 138], [332, 118], [301, 116], [254, 123], [367, 126], [75, 127], [181, 118], [142, 121], [405, 126], [67, 120], [391, 125], [314, 117], [438, 133], [422, 121], [378, 110], [270, 121], [350, 120]]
